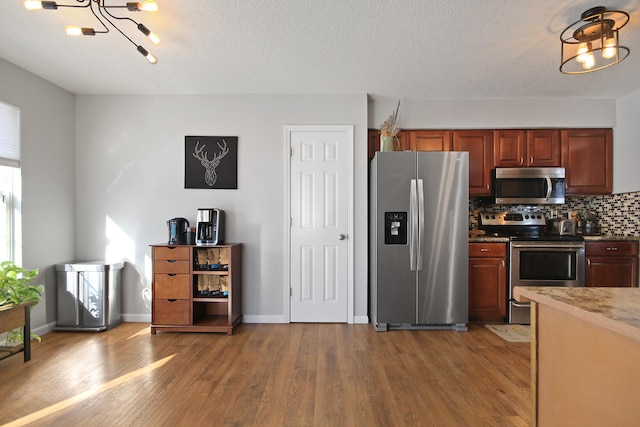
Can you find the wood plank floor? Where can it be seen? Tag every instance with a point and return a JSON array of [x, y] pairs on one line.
[[269, 375]]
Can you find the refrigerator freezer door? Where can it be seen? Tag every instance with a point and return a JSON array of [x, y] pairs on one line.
[[393, 284], [443, 284]]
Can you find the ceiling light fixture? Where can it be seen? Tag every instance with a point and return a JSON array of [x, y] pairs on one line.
[[593, 42], [104, 16]]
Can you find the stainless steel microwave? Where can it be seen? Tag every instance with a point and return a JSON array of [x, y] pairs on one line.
[[528, 186]]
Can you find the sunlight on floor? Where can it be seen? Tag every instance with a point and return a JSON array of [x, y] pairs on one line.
[[141, 332], [87, 394]]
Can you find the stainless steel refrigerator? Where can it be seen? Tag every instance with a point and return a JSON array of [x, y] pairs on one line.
[[419, 240]]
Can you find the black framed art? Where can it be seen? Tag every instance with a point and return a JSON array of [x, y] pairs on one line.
[[211, 162]]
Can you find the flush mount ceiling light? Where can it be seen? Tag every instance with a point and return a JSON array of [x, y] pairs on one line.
[[593, 42], [104, 17]]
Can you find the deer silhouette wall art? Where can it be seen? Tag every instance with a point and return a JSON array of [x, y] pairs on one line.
[[218, 157], [210, 176]]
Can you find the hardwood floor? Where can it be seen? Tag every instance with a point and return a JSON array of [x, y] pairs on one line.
[[269, 375]]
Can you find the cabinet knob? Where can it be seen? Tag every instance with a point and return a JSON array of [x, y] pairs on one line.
[[485, 250], [521, 160], [531, 160], [612, 249]]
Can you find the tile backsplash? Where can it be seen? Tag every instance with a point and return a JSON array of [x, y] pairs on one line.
[[617, 214]]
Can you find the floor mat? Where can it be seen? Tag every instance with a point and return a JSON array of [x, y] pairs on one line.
[[512, 333]]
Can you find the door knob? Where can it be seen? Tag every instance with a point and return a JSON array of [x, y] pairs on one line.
[[342, 236]]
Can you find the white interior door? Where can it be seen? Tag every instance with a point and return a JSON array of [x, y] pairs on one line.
[[321, 284]]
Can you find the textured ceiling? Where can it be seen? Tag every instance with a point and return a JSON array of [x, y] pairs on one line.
[[436, 49]]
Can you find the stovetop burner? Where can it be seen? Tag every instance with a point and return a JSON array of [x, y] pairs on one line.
[[520, 226]]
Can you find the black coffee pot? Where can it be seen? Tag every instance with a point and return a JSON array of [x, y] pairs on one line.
[[178, 228]]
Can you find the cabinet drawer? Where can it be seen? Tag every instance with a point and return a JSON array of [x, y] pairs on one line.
[[171, 252], [171, 312], [170, 266], [611, 248], [171, 286], [487, 249]]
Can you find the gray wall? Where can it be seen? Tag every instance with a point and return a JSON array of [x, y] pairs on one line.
[[48, 176], [130, 180], [626, 146]]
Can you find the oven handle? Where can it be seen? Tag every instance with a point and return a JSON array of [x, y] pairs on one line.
[[555, 245], [548, 178], [521, 304]]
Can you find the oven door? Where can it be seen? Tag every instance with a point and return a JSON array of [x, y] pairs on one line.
[[543, 263]]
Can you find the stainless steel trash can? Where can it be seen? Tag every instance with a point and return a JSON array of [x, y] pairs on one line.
[[88, 296]]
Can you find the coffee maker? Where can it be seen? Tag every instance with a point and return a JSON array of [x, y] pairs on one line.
[[210, 226], [178, 228]]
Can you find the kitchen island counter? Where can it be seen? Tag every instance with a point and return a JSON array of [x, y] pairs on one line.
[[585, 351]]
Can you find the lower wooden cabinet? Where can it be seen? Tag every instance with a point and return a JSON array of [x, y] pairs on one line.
[[611, 263], [487, 281], [196, 288]]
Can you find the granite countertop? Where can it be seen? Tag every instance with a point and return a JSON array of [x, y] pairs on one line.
[[481, 238], [475, 237], [617, 309], [610, 238]]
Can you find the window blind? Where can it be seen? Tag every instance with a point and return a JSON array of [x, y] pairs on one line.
[[9, 135]]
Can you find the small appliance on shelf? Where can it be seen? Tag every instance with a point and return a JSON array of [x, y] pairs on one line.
[[178, 230], [210, 226]]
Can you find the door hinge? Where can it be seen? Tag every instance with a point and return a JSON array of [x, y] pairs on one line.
[[290, 292]]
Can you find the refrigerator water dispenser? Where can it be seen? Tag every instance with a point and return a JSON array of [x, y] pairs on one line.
[[395, 228]]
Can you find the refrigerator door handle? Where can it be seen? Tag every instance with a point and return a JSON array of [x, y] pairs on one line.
[[413, 225], [420, 233]]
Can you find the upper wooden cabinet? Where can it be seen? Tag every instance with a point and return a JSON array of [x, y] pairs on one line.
[[587, 156], [524, 148], [479, 144], [430, 140]]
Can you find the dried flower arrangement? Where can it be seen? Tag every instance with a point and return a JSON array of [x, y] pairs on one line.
[[390, 126]]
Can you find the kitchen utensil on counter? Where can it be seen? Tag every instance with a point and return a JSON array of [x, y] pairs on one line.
[[588, 223], [210, 226], [561, 227], [178, 228]]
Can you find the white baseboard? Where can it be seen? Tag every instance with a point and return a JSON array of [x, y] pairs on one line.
[[136, 318], [264, 319], [41, 330], [361, 319]]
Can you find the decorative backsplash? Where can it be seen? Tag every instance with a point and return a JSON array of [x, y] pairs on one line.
[[617, 214]]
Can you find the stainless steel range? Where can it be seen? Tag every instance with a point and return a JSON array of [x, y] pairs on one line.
[[536, 257]]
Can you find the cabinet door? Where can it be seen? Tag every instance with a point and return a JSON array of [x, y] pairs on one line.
[[543, 147], [612, 271], [479, 144], [487, 288], [430, 140], [509, 148], [587, 156]]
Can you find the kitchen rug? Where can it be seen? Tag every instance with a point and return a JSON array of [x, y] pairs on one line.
[[512, 333]]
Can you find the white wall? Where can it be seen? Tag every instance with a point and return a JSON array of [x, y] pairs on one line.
[[495, 113], [47, 166], [626, 143], [130, 180]]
